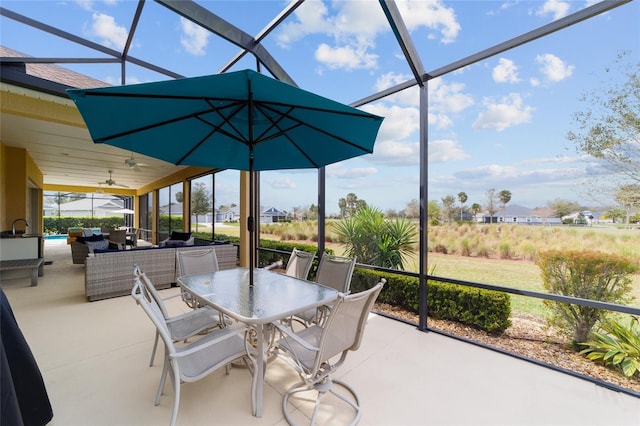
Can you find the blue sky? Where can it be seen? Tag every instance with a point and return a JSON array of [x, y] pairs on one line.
[[500, 123]]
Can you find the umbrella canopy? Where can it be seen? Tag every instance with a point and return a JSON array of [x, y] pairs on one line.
[[240, 120]]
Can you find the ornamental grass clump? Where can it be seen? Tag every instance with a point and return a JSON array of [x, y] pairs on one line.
[[587, 275]]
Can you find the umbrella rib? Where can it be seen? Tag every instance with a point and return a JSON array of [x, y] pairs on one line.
[[317, 129], [216, 129], [354, 112], [153, 125], [282, 132]]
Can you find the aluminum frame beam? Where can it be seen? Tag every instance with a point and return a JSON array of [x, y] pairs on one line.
[[567, 21], [404, 39], [212, 22]]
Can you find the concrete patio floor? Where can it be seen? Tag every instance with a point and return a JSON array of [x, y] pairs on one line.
[[94, 359]]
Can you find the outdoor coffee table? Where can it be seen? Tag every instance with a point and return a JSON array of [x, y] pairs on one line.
[[273, 297]]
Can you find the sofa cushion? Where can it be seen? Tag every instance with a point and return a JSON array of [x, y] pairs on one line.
[[173, 243], [93, 237], [98, 245]]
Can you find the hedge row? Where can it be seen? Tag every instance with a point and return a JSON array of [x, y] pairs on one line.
[[484, 309], [269, 257], [59, 225]]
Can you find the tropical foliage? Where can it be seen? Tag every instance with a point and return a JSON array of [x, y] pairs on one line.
[[376, 240], [617, 346]]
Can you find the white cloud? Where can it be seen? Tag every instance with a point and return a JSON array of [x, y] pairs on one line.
[[444, 99], [407, 97], [444, 151], [505, 72], [396, 153], [347, 57], [399, 122], [554, 68], [488, 171], [510, 111], [85, 5], [558, 9], [431, 14], [338, 171], [447, 98], [281, 182], [354, 25], [112, 34], [194, 38]]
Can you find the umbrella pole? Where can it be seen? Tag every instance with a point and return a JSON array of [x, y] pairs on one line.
[[251, 220]]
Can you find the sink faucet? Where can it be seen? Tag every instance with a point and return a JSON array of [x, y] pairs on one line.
[[13, 225]]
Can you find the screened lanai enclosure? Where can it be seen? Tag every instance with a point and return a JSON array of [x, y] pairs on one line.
[[477, 97]]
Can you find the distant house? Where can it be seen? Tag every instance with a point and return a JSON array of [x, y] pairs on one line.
[[87, 207], [517, 214], [228, 215], [586, 217], [272, 215], [267, 215]]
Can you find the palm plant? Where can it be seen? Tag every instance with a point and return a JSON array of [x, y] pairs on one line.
[[374, 240]]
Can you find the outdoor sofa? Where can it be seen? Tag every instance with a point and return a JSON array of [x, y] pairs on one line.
[[109, 273]]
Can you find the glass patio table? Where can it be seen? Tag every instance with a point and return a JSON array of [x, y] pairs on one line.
[[273, 297]]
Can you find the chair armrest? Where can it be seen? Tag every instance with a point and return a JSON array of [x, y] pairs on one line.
[[118, 245], [224, 334], [277, 264], [288, 333]]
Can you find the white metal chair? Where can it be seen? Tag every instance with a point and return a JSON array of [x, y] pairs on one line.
[[311, 350], [198, 261], [195, 360], [179, 327], [335, 272], [299, 264]]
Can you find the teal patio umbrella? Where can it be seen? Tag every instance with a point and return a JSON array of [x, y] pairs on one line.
[[239, 120]]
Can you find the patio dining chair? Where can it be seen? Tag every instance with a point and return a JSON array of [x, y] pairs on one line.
[[196, 360], [311, 351], [335, 272], [191, 262], [119, 237], [298, 265], [183, 326]]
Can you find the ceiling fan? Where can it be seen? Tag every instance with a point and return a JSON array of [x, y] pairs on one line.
[[111, 182], [132, 163]]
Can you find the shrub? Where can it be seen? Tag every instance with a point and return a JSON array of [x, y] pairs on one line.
[[587, 275], [484, 309], [618, 346], [505, 250], [465, 247]]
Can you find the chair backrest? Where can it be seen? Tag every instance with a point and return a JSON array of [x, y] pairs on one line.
[[196, 261], [344, 328], [299, 264], [118, 236], [335, 272], [148, 302], [151, 291]]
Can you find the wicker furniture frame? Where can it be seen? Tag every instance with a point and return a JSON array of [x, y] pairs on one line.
[[110, 274]]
